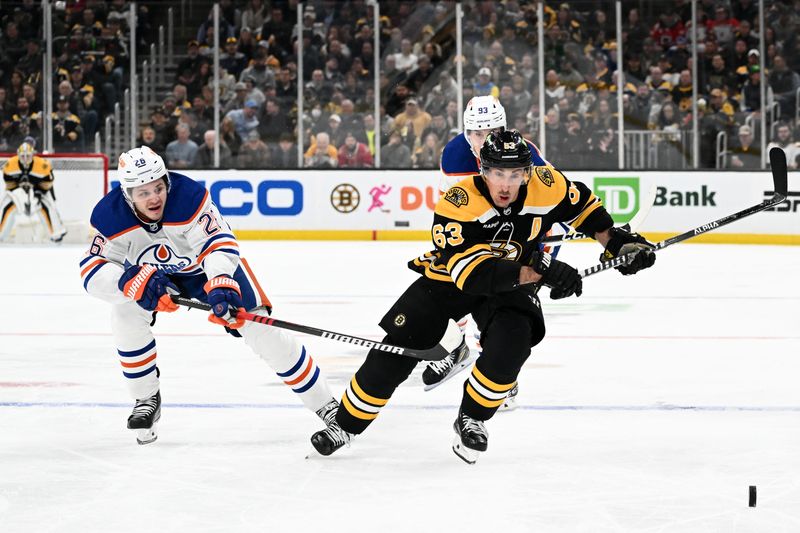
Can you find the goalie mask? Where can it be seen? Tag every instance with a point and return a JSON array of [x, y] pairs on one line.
[[25, 153]]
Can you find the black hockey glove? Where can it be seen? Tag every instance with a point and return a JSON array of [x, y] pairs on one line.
[[562, 279], [622, 243]]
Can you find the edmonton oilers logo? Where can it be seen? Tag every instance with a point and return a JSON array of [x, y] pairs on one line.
[[162, 256]]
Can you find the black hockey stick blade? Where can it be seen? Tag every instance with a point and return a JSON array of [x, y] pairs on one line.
[[450, 341], [777, 161]]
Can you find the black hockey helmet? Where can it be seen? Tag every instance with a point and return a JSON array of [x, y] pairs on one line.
[[506, 149]]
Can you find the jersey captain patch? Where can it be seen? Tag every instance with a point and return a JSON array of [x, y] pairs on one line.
[[545, 176], [457, 196]]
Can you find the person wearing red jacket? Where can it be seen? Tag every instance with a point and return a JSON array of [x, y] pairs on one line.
[[354, 154]]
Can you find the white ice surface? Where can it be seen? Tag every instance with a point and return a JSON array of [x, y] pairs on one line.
[[651, 406]]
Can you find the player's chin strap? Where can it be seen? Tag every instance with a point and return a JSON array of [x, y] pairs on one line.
[[450, 341], [777, 159]]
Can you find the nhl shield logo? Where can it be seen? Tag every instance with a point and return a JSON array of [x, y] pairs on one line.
[[545, 176], [457, 196]]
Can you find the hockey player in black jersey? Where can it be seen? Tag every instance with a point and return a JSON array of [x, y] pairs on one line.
[[486, 261]]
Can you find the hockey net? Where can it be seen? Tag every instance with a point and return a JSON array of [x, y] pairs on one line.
[[80, 181]]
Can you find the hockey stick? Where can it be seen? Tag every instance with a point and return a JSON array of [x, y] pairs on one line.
[[450, 341], [777, 159], [633, 225]]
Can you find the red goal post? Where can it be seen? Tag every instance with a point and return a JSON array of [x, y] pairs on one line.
[[80, 181]]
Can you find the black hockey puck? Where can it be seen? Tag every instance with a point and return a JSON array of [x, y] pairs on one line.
[[752, 501]]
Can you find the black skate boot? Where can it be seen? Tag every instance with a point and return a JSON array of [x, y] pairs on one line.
[[438, 372], [510, 402], [328, 412], [471, 438], [331, 439], [144, 418]]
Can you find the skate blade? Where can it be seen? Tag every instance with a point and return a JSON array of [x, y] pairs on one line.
[[456, 370], [468, 455], [146, 435], [509, 405]]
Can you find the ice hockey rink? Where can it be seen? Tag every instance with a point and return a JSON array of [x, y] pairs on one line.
[[652, 405]]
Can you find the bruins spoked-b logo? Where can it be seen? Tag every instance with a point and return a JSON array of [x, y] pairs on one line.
[[345, 198], [400, 320], [456, 196], [545, 176]]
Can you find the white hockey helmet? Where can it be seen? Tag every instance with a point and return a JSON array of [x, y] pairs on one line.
[[139, 166], [484, 113]]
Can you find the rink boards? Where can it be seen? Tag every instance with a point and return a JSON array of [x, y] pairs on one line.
[[397, 205]]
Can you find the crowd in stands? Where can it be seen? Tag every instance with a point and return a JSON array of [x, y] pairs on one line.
[[260, 120], [91, 55]]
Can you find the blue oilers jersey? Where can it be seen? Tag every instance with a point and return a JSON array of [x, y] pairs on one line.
[[458, 161], [191, 239]]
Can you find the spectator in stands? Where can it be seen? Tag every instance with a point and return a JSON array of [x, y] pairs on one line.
[[427, 155], [418, 77], [414, 120], [180, 152], [254, 153], [682, 93], [232, 60], [229, 136], [395, 154], [24, 123], [554, 131], [656, 81], [751, 91], [554, 90], [745, 155], [277, 29], [723, 25], [334, 130], [286, 89], [82, 106], [484, 85], [719, 76], [66, 128], [12, 46], [603, 150], [284, 155], [255, 15], [273, 122], [245, 119], [354, 154], [367, 132], [438, 126], [31, 62], [204, 157], [397, 101], [148, 138], [318, 88], [784, 83], [253, 93], [575, 144], [785, 140], [668, 28], [405, 60], [29, 93], [192, 60], [261, 75], [321, 154]]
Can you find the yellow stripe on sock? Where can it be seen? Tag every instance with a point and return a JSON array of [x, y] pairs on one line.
[[488, 383], [491, 404], [356, 412], [363, 396]]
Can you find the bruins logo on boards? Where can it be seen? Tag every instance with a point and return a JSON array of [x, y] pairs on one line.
[[545, 176], [400, 320], [345, 198], [456, 196]]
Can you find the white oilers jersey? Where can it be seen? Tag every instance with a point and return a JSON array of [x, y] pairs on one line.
[[191, 238]]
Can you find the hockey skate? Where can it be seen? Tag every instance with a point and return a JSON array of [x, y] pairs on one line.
[[471, 438], [328, 412], [144, 418], [438, 372], [331, 439], [510, 402]]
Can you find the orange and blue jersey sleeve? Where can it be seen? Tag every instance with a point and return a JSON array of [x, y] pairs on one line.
[[101, 268], [457, 162]]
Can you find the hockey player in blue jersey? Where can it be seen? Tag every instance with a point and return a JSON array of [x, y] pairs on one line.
[[460, 159], [158, 234]]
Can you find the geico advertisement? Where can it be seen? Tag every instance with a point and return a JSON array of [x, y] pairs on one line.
[[683, 200], [404, 200], [320, 200]]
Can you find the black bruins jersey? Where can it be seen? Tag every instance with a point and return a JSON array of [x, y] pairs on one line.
[[481, 248], [40, 174]]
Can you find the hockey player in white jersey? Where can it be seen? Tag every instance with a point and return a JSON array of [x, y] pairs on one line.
[[158, 234]]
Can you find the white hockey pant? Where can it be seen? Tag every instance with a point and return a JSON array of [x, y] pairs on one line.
[[136, 347], [23, 205]]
